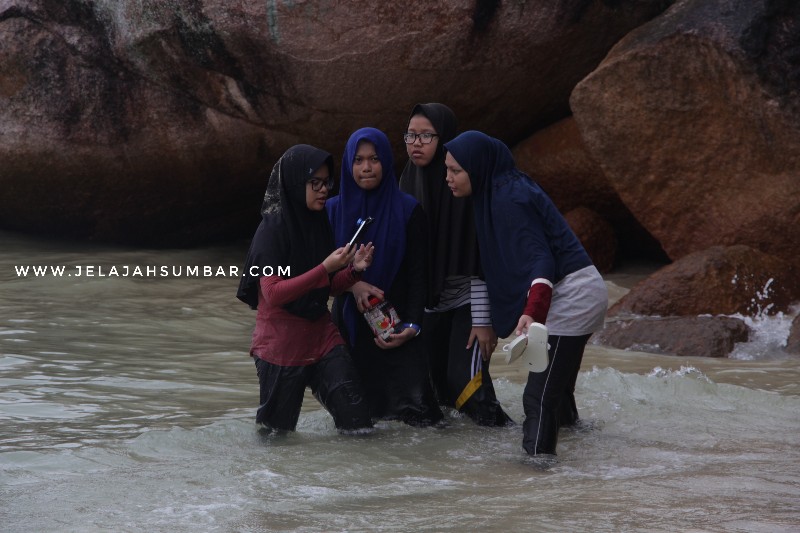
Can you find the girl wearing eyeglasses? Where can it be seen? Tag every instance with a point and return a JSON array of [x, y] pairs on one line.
[[458, 333], [295, 342], [394, 371]]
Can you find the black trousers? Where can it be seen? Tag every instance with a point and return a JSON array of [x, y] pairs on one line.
[[549, 397], [397, 381], [460, 377], [333, 381]]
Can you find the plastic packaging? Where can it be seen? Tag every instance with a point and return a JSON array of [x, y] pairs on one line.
[[382, 318]]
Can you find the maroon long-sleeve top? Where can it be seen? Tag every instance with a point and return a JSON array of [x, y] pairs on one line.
[[285, 339]]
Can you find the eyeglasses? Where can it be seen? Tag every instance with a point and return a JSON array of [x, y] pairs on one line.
[[424, 138], [316, 184]]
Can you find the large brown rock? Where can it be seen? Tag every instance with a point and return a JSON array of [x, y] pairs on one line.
[[720, 280], [157, 121], [695, 120], [596, 236], [557, 159], [90, 147], [703, 336]]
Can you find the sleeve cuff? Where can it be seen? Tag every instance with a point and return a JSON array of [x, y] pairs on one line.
[[539, 297]]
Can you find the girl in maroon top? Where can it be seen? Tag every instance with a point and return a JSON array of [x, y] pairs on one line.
[[289, 274]]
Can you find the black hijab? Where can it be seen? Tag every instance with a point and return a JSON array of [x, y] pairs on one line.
[[451, 224], [290, 234]]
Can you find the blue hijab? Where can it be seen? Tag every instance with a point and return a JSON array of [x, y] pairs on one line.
[[521, 234], [387, 205]]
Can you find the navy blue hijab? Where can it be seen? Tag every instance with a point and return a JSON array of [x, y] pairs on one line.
[[387, 205], [521, 234]]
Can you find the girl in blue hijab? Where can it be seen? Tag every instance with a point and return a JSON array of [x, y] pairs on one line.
[[536, 271], [394, 371]]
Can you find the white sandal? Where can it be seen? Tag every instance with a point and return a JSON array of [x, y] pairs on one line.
[[532, 348]]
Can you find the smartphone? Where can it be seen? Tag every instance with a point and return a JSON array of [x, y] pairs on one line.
[[362, 224]]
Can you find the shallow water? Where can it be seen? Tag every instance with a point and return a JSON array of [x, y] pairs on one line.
[[127, 404]]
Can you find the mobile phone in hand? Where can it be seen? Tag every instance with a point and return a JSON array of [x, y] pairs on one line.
[[362, 224]]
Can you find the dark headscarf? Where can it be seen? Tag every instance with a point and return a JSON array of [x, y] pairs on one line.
[[453, 246], [520, 231], [387, 205], [290, 234]]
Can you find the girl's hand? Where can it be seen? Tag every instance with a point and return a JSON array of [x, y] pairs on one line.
[[362, 291], [396, 339], [523, 324], [363, 257], [338, 259], [487, 340]]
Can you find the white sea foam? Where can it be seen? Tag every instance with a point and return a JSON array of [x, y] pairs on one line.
[[768, 336]]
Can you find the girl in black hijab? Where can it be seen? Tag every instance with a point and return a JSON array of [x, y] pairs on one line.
[[288, 276], [457, 331]]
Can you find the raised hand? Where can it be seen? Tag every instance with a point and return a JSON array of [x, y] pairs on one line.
[[363, 257]]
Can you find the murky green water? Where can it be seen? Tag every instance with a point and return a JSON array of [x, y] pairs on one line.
[[127, 404]]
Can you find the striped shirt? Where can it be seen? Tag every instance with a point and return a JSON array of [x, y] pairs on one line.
[[462, 290]]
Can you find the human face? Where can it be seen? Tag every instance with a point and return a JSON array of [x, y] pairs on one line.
[[315, 200], [367, 169], [421, 154], [457, 178]]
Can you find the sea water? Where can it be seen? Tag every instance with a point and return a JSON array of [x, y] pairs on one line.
[[127, 404]]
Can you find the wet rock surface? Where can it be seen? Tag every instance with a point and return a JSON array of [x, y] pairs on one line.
[[686, 336], [720, 280]]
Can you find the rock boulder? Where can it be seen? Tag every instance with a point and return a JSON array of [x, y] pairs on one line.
[[720, 280], [695, 120], [596, 235], [687, 336], [157, 121], [557, 159]]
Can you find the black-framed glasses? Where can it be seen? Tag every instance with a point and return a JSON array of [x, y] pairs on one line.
[[424, 138], [316, 184]]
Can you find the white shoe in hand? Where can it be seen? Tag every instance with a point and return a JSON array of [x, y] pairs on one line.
[[515, 348], [535, 356]]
